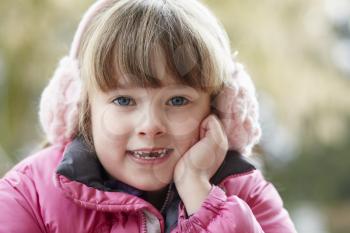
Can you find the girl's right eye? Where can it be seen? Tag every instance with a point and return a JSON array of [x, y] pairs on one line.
[[124, 101]]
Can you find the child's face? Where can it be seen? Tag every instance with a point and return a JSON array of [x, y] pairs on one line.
[[129, 119]]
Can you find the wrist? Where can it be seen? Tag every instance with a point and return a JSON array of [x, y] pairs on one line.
[[193, 192]]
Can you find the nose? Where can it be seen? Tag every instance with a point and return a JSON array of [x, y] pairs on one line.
[[151, 124]]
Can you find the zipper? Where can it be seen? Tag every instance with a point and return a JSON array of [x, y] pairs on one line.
[[165, 204], [143, 222], [167, 197]]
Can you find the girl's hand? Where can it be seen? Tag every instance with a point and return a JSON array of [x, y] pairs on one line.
[[194, 170]]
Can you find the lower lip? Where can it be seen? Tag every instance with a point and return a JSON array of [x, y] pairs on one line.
[[150, 161]]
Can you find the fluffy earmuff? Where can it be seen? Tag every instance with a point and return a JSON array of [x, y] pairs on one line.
[[60, 102], [237, 108]]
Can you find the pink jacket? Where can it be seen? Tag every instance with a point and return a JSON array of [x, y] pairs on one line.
[[34, 198]]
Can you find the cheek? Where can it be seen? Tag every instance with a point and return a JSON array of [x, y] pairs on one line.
[[184, 123], [184, 128], [112, 125]]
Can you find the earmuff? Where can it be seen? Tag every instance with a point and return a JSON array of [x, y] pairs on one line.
[[236, 105]]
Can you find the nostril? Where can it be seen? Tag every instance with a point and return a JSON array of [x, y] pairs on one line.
[[150, 133], [151, 127]]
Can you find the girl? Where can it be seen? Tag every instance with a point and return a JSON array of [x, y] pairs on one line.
[[149, 120]]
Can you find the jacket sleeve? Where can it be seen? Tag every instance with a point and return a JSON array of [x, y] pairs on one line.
[[17, 208], [261, 211]]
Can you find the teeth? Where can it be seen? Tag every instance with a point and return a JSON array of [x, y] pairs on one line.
[[150, 155]]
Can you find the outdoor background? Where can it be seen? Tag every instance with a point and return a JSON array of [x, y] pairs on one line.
[[297, 52]]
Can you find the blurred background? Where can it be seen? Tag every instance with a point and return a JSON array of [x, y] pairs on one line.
[[297, 52]]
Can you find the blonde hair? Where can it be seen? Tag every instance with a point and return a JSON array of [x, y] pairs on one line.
[[125, 34]]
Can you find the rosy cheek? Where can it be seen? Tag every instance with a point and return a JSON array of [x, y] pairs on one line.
[[183, 125], [114, 125]]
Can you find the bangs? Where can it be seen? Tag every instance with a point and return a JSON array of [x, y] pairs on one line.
[[125, 40]]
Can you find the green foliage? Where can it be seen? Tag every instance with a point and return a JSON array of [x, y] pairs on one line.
[[320, 172]]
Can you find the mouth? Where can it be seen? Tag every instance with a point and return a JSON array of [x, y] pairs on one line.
[[153, 154]]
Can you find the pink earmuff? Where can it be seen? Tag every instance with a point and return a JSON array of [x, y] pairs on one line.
[[236, 105]]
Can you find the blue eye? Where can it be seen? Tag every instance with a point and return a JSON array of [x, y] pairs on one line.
[[179, 101], [124, 101]]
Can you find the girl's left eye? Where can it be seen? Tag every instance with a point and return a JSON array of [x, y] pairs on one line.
[[178, 101]]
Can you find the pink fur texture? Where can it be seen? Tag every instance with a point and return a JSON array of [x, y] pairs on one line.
[[60, 101], [237, 108]]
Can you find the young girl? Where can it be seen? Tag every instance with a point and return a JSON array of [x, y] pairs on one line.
[[149, 119]]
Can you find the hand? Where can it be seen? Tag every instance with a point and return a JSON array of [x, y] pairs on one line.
[[194, 170]]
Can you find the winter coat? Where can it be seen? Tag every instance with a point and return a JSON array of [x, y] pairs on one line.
[[64, 188]]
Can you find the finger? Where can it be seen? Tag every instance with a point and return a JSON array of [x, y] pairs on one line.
[[219, 139], [202, 158], [204, 127], [216, 132]]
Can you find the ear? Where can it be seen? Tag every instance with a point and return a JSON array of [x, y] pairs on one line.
[[59, 102]]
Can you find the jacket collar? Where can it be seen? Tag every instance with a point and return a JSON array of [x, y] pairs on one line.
[[82, 177], [82, 165]]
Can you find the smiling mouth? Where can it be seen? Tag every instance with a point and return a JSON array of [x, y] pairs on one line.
[[149, 155]]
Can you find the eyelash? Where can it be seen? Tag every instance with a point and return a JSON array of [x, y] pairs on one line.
[[115, 101]]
